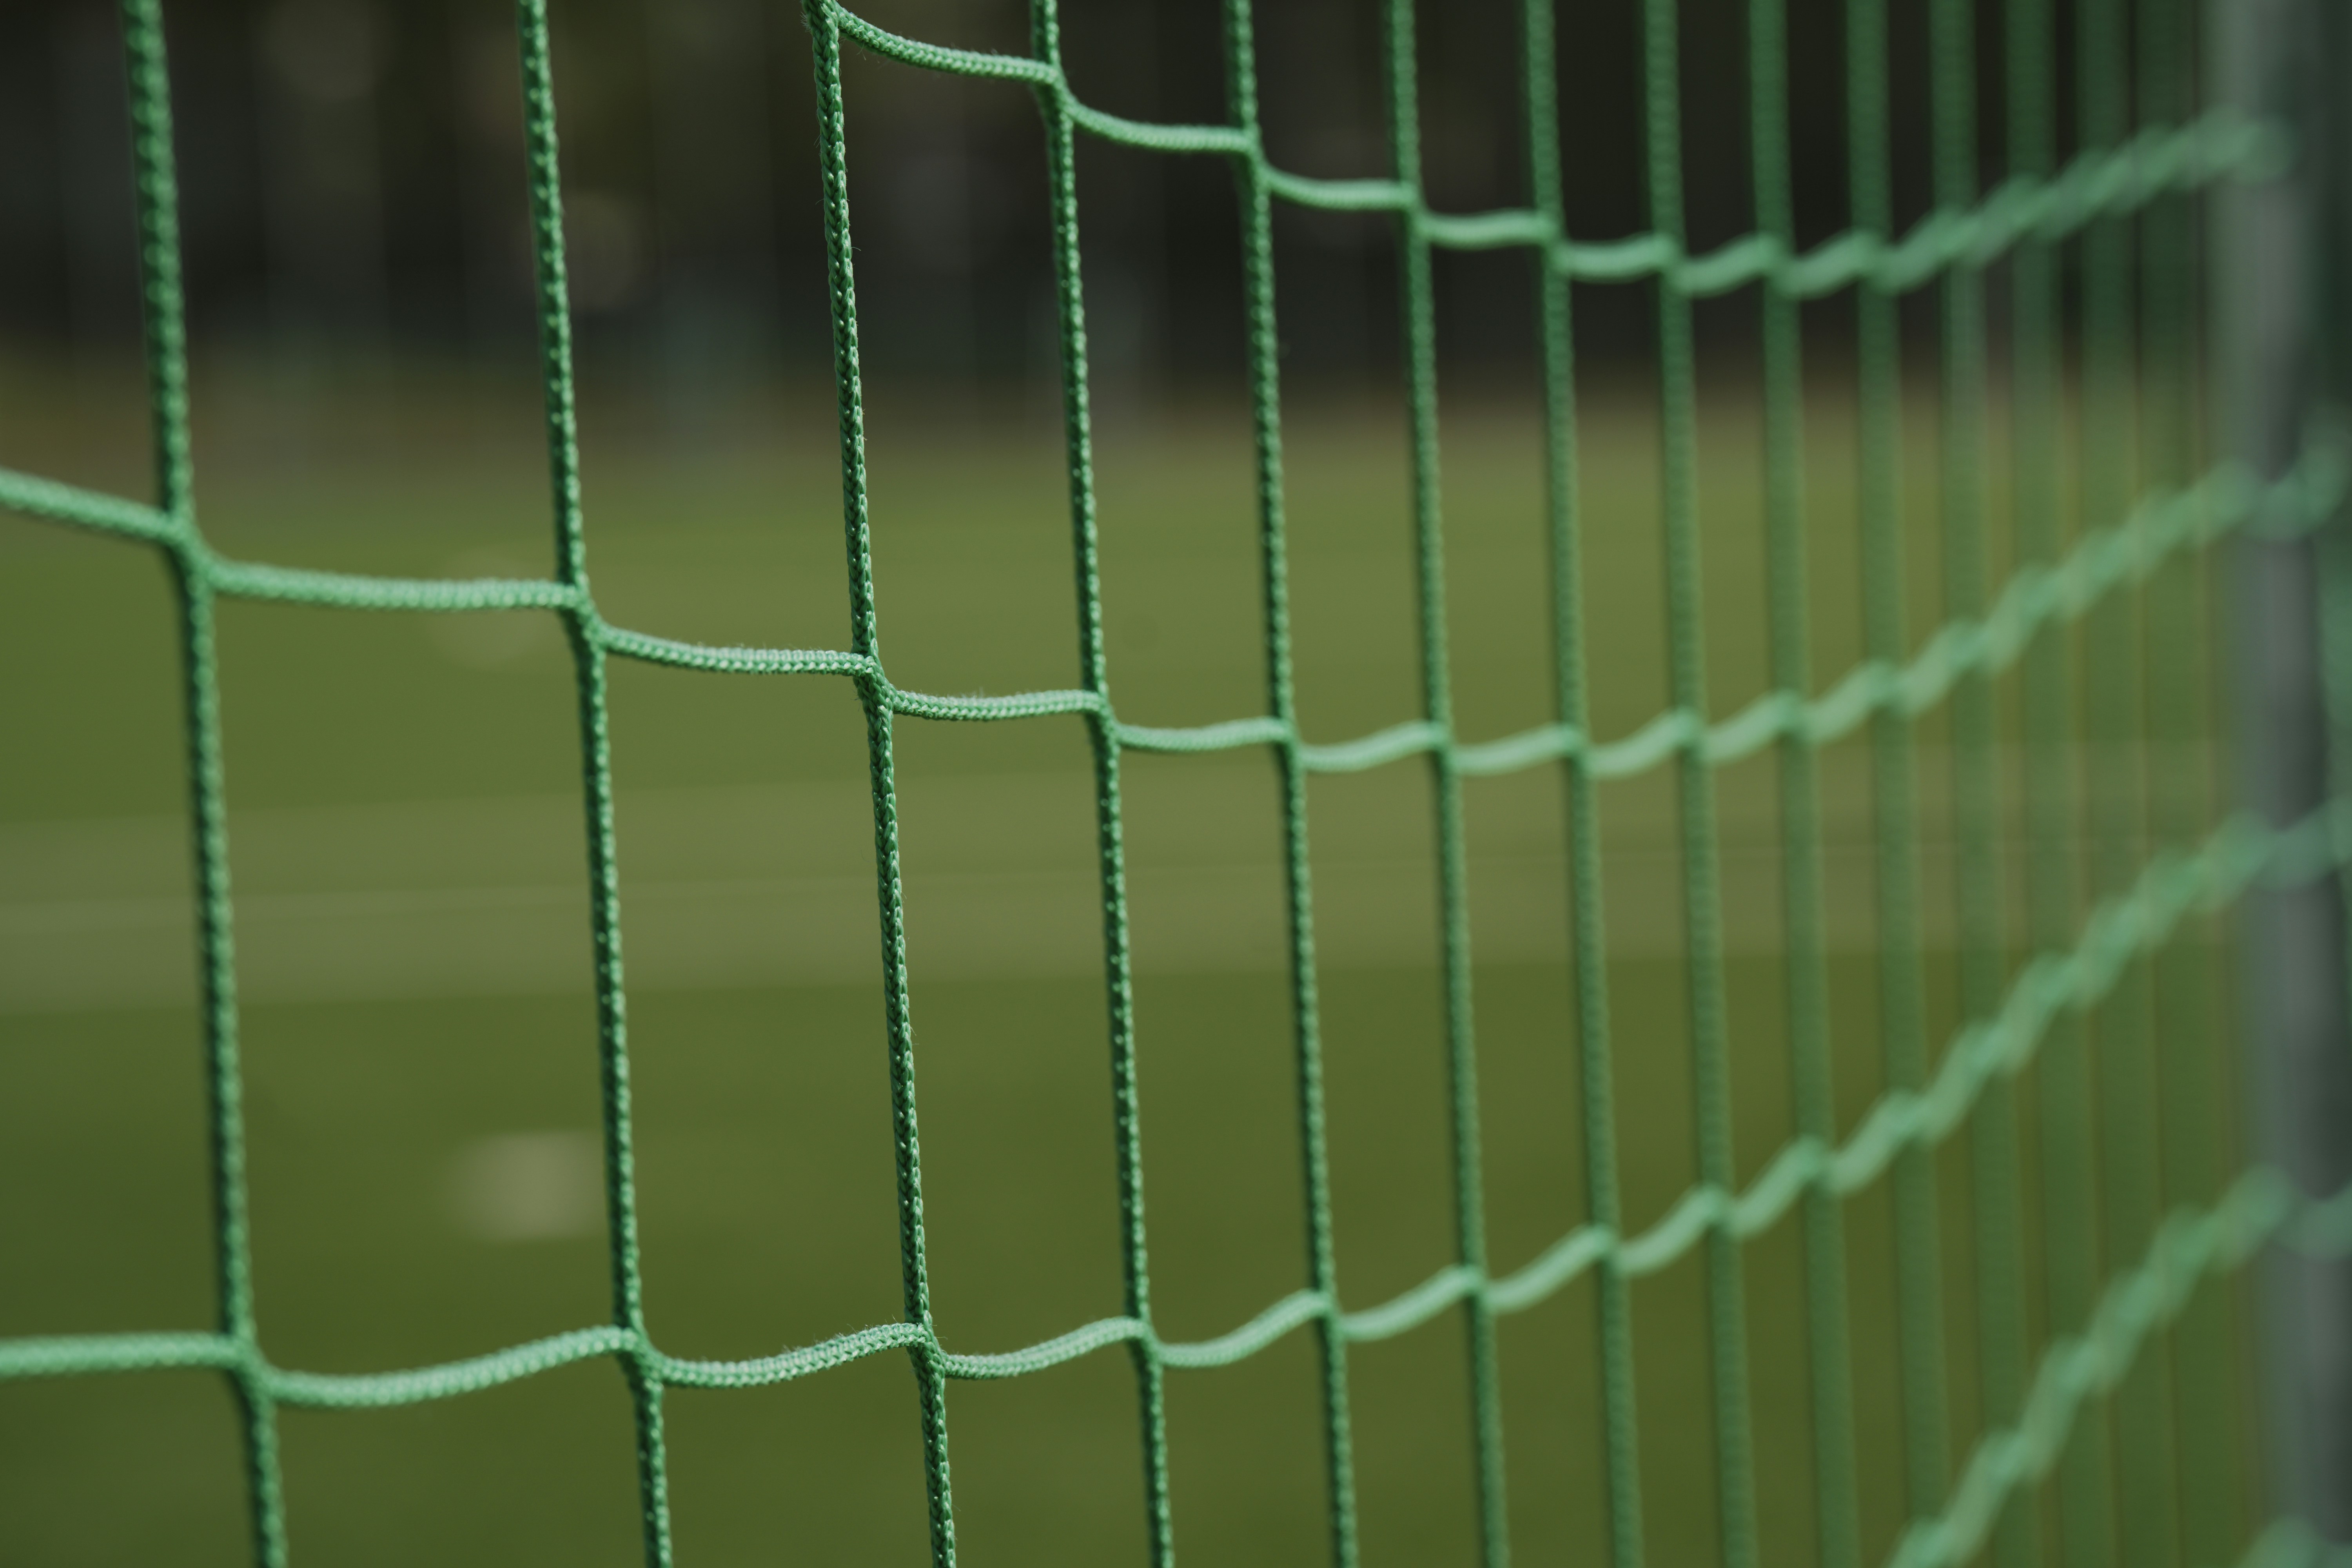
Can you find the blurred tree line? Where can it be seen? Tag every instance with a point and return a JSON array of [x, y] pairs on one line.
[[352, 175]]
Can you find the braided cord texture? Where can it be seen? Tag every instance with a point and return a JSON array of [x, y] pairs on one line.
[[2033, 1413]]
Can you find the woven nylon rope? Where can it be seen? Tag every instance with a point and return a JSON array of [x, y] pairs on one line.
[[2123, 199]]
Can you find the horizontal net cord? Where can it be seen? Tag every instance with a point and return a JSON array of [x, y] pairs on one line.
[[2096, 184], [2228, 499], [2261, 1206], [2293, 1544], [2240, 854], [2115, 176]]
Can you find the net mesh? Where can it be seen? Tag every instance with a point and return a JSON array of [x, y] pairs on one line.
[[2120, 200]]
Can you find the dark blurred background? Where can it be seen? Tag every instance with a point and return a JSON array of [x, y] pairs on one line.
[[352, 178]]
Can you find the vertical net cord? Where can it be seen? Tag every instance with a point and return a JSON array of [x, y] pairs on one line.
[[2052, 887], [1702, 911], [1045, 38], [1420, 330], [2127, 422], [2115, 698], [1264, 351], [1829, 1353], [1996, 1200], [2176, 632], [1613, 1288], [596, 768], [929, 1362], [164, 313], [1917, 1266]]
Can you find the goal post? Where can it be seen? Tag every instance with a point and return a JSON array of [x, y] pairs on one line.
[[2286, 380]]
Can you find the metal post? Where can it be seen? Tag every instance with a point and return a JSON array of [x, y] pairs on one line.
[[2278, 246]]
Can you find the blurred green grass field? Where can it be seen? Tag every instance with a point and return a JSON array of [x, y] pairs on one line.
[[407, 844]]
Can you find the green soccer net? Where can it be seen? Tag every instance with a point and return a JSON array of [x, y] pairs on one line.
[[2104, 1183]]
